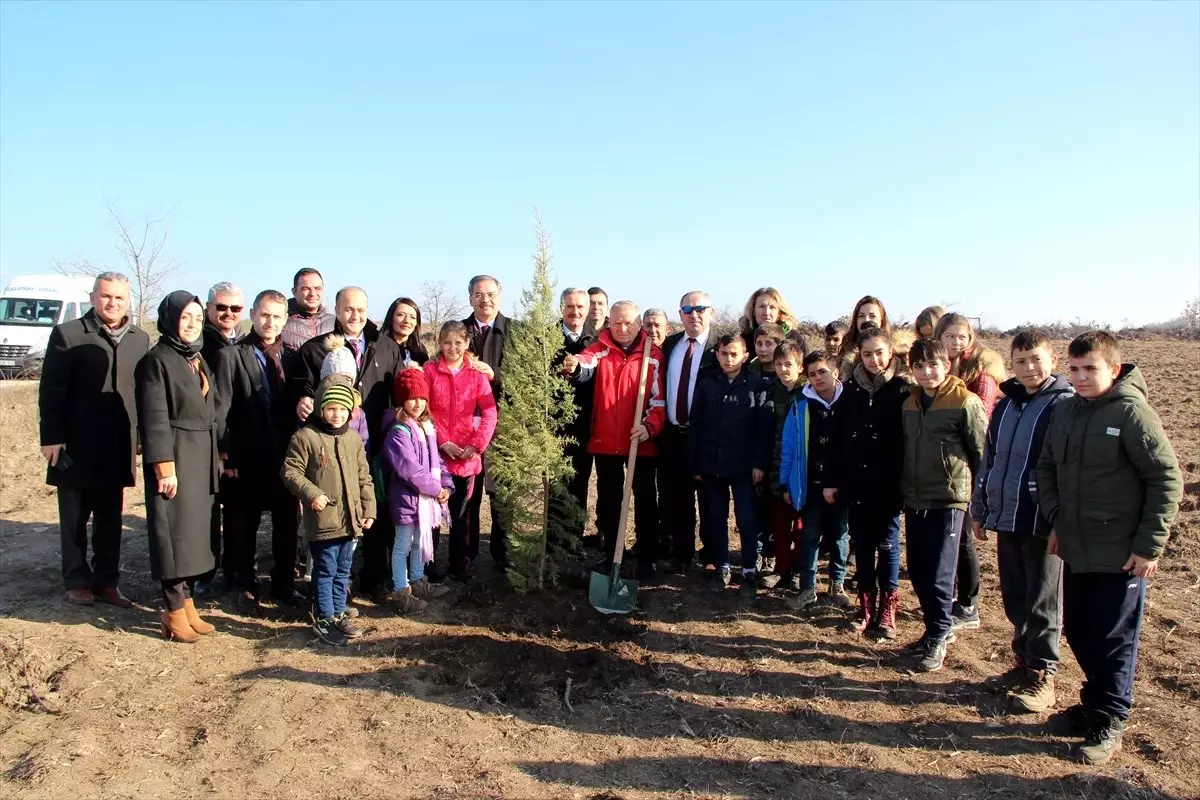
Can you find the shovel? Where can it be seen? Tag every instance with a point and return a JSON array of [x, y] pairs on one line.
[[612, 594]]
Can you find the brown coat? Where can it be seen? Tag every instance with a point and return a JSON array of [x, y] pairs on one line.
[[319, 463]]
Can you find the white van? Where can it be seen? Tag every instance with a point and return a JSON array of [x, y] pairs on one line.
[[29, 309]]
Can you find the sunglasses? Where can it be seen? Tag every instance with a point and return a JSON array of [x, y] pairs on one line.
[[222, 308], [694, 309]]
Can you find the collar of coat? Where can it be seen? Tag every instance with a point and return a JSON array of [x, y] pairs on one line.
[[953, 393], [370, 332], [499, 324], [873, 383]]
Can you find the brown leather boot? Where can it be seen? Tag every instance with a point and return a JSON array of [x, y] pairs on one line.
[[862, 616], [193, 619], [889, 604], [175, 626]]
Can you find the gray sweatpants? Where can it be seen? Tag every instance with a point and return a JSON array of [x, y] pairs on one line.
[[1031, 587]]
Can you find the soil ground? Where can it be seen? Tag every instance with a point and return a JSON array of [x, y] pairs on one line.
[[495, 695]]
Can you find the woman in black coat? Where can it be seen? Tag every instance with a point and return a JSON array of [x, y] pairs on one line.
[[177, 418]]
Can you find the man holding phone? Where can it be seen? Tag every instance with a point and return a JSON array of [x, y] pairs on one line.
[[89, 435]]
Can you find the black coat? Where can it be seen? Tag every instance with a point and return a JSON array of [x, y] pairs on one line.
[[580, 428], [86, 401], [214, 342], [490, 350], [256, 423], [866, 447], [178, 423], [375, 379], [731, 427]]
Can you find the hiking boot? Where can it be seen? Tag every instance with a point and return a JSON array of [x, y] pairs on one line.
[[1078, 720], [933, 656], [748, 591], [889, 604], [344, 624], [1103, 742], [837, 597], [1015, 676], [793, 583], [862, 616], [328, 632], [428, 591], [1035, 695], [719, 581], [806, 598], [769, 580], [964, 618], [407, 602]]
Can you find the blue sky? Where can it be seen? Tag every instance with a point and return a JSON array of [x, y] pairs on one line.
[[1025, 161]]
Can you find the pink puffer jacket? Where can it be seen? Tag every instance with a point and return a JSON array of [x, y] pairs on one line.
[[463, 410]]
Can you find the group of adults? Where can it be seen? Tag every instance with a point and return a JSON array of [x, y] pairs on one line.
[[210, 411]]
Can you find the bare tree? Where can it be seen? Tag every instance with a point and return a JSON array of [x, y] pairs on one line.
[[141, 248], [439, 304]]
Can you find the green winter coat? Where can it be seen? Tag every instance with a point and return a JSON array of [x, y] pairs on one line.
[[318, 463], [943, 447], [1107, 478]]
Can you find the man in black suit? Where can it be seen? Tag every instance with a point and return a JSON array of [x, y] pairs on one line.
[[259, 419], [689, 354], [488, 329], [377, 357], [574, 303], [89, 435]]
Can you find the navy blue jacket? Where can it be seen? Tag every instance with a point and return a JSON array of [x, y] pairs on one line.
[[731, 425], [1005, 496]]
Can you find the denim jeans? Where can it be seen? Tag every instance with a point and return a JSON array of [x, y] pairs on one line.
[[823, 521], [407, 565], [876, 536], [332, 559], [745, 512]]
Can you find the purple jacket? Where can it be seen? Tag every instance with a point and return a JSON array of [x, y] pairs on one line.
[[358, 423], [411, 475]]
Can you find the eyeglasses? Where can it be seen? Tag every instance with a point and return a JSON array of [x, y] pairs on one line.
[[694, 309], [222, 308]]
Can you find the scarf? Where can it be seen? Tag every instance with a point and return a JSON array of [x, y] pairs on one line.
[[317, 421], [169, 312], [873, 383], [274, 354], [115, 335], [430, 513]]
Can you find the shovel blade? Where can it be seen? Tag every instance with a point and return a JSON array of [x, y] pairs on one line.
[[612, 594]]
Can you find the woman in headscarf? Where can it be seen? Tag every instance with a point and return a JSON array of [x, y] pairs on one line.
[[177, 420], [403, 323]]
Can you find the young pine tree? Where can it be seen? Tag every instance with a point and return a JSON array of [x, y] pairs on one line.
[[526, 458]]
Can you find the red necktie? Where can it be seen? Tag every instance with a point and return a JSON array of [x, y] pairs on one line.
[[685, 380]]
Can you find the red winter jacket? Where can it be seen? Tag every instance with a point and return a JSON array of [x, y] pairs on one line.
[[463, 410], [616, 374]]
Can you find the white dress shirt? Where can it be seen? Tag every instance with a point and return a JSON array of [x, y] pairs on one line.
[[675, 368]]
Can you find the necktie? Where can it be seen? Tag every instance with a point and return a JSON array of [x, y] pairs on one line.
[[484, 330], [685, 380], [357, 351]]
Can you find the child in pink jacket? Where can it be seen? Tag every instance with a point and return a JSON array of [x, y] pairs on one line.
[[464, 414]]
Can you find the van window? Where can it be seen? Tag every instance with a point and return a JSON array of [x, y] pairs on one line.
[[34, 312], [71, 313]]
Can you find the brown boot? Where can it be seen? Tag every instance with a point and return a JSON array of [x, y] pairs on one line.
[[889, 604], [407, 603], [175, 626], [193, 618], [1036, 695], [862, 616], [428, 591]]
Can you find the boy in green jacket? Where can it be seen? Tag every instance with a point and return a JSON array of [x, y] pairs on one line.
[[1109, 484], [945, 427]]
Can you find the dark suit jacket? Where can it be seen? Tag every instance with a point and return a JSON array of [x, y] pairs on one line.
[[254, 425], [214, 342], [375, 379], [86, 401], [491, 349], [581, 428]]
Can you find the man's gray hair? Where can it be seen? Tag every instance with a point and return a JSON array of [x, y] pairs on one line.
[[623, 304], [570, 290], [338, 297], [224, 287], [477, 279], [686, 295], [110, 276], [654, 312]]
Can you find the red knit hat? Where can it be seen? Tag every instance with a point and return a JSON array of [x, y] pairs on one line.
[[410, 384]]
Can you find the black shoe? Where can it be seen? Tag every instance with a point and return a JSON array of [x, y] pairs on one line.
[[933, 656], [329, 633], [1103, 742], [1074, 721], [720, 580], [291, 599], [247, 603]]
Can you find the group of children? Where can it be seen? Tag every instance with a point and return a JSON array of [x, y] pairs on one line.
[[1076, 480]]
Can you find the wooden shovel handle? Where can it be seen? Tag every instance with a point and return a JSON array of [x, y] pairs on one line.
[[631, 463]]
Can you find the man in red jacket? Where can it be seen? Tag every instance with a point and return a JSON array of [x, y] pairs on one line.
[[614, 362]]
